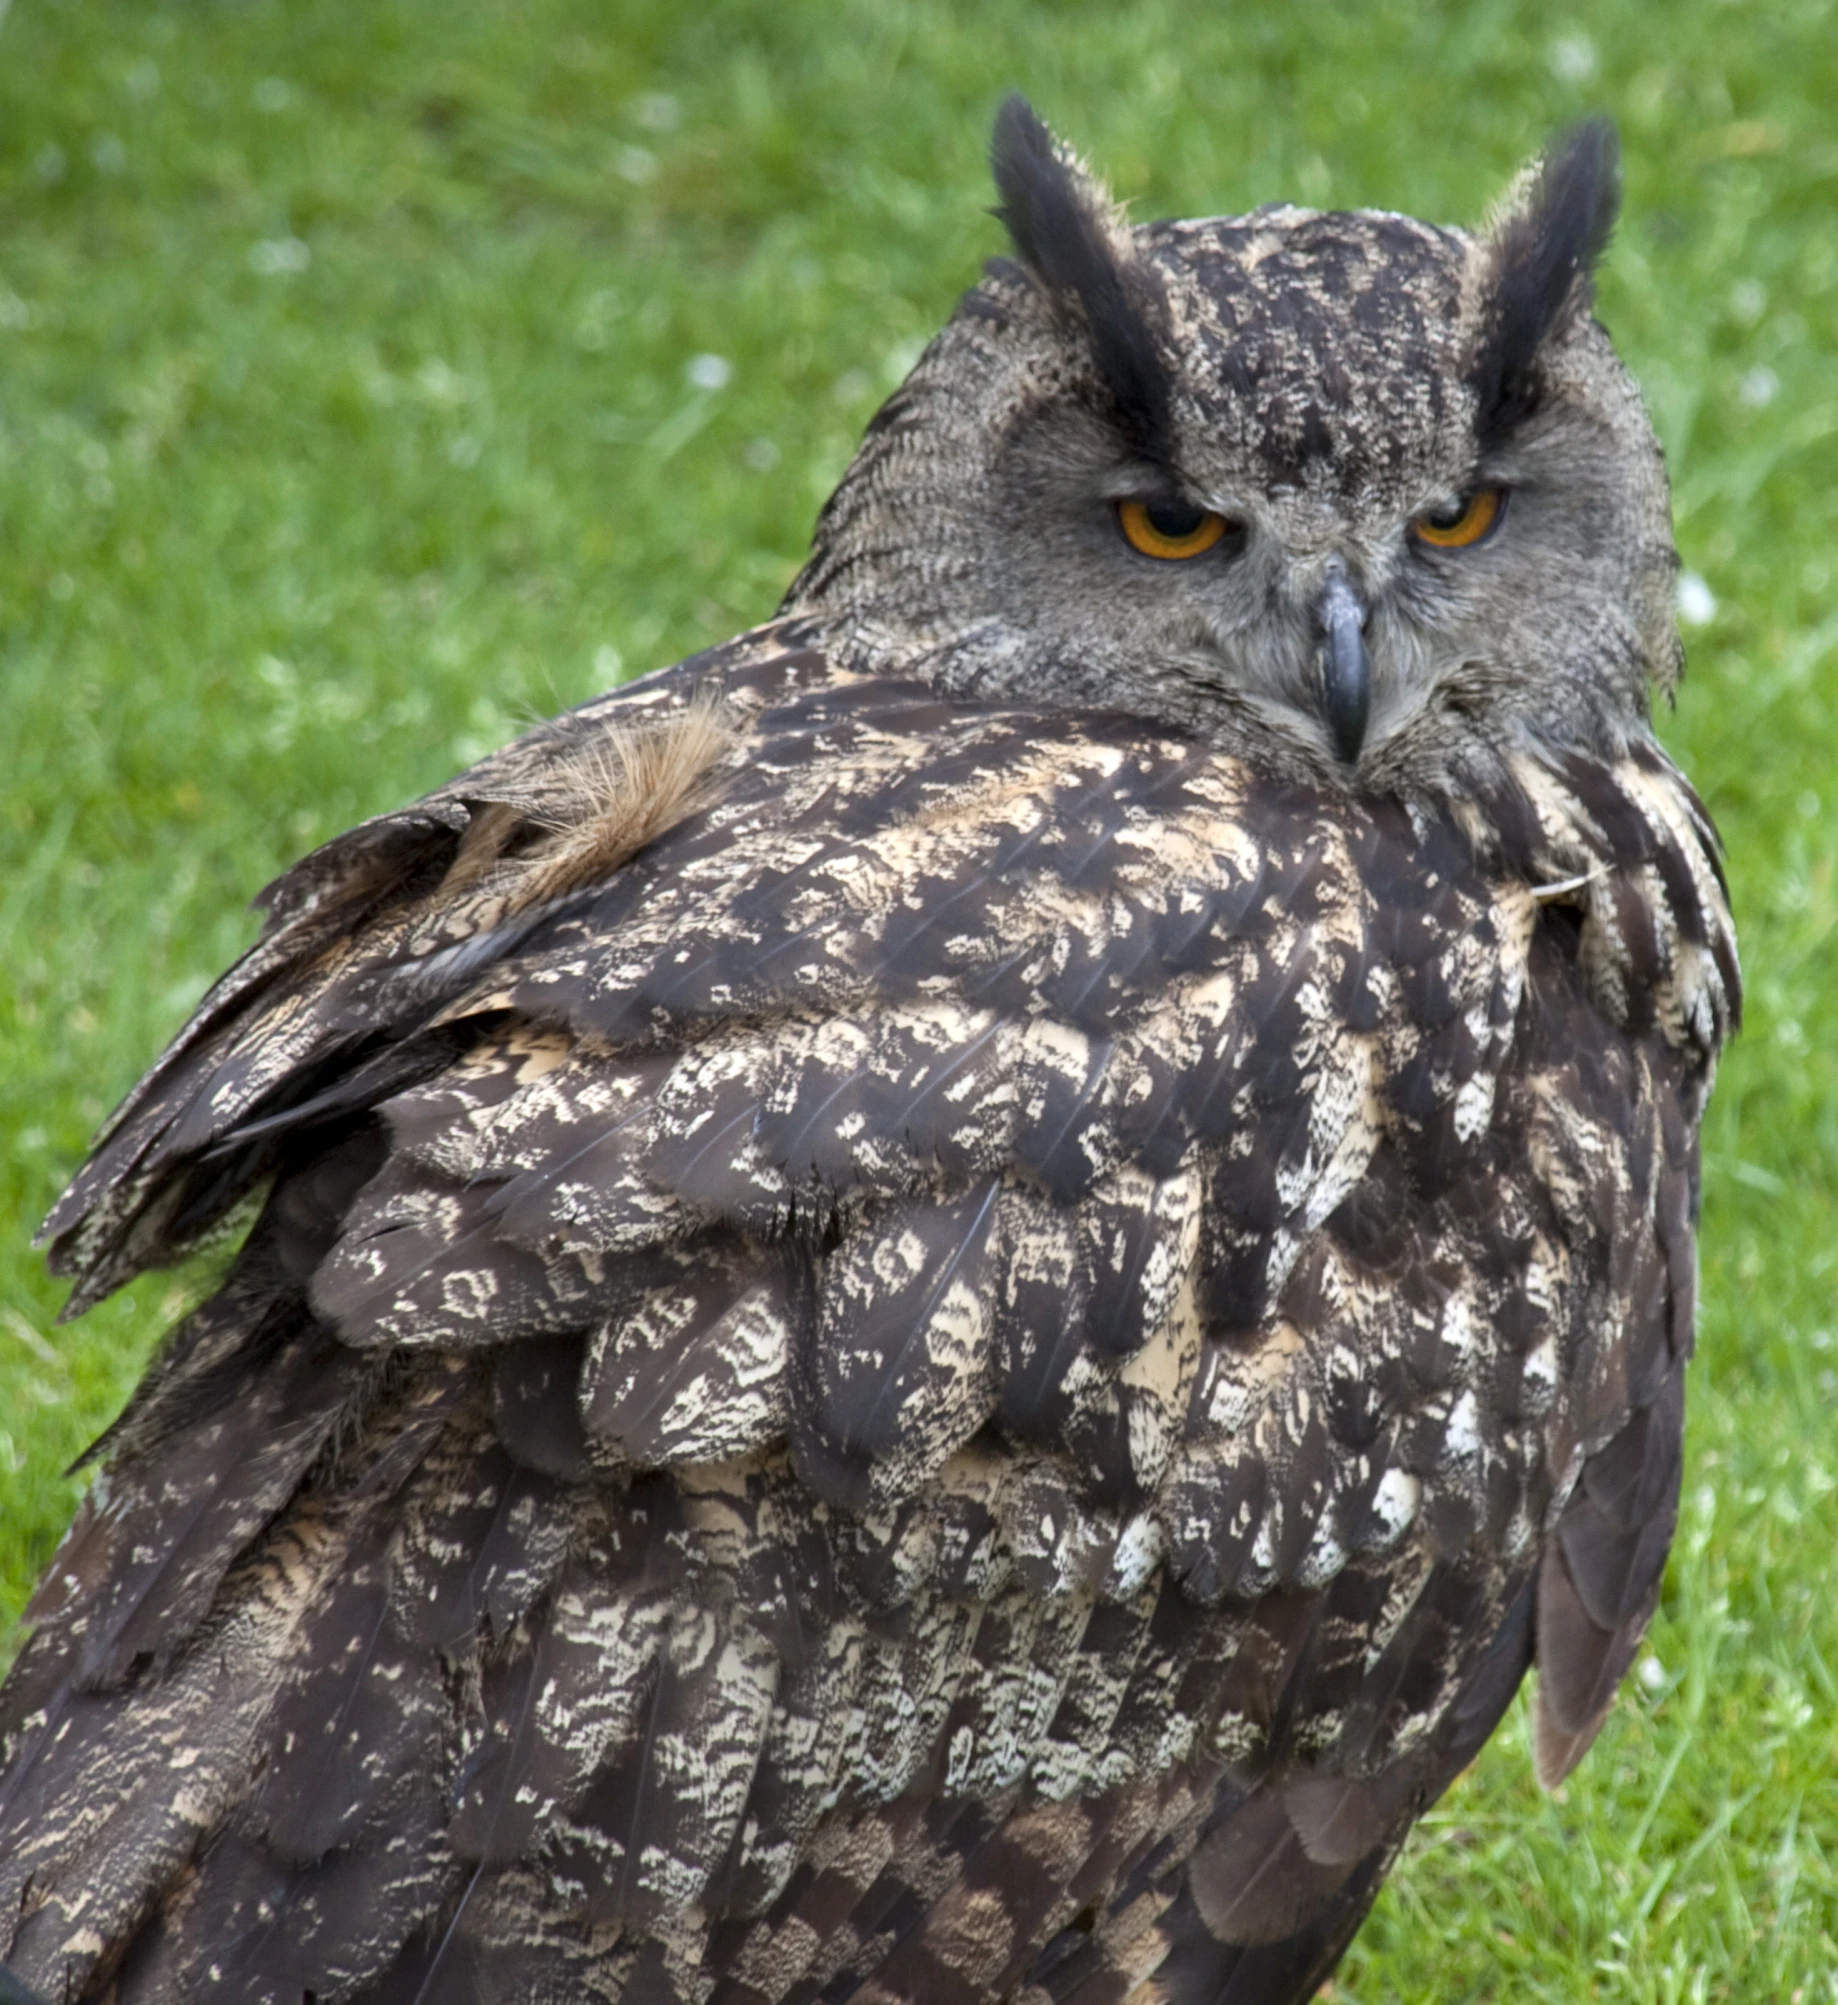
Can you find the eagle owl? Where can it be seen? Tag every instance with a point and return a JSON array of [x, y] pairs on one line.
[[937, 1307]]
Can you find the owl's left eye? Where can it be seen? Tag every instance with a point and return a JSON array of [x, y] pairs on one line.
[[1169, 528], [1463, 524]]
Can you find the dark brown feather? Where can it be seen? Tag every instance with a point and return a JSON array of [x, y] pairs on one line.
[[900, 1412]]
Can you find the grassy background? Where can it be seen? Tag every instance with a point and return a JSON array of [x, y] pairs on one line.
[[356, 404]]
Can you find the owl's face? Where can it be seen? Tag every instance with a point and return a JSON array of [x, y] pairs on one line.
[[1369, 499]]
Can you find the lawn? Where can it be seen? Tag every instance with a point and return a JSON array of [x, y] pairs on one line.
[[373, 379]]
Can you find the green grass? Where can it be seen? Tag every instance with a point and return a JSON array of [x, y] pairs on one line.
[[346, 421]]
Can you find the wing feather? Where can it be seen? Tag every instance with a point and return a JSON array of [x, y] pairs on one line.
[[970, 1373], [900, 1372]]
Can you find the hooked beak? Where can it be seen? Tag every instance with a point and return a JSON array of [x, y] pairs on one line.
[[1346, 667]]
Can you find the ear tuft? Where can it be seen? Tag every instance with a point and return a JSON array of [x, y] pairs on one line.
[[1054, 209], [1067, 233], [1541, 253]]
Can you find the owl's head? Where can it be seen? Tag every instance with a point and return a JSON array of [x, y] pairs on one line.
[[1371, 500]]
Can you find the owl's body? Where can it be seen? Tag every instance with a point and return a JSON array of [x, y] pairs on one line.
[[940, 1305]]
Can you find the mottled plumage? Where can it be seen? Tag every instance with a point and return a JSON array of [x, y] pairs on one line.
[[937, 1308]]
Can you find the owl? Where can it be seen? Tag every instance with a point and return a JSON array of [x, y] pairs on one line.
[[937, 1308]]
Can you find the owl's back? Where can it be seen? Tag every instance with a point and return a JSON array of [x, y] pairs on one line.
[[892, 1348]]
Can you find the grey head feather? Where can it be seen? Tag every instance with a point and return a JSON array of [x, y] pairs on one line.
[[1323, 382]]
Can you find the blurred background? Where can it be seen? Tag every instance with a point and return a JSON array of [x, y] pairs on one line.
[[374, 379]]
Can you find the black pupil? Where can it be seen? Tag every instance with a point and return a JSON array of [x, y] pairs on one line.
[[1176, 520], [1447, 518]]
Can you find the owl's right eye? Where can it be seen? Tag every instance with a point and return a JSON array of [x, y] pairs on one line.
[[1170, 528]]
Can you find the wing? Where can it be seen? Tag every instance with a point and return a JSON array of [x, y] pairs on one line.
[[888, 1349]]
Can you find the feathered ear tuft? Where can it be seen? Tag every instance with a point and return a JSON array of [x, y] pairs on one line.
[[1541, 254], [1068, 234]]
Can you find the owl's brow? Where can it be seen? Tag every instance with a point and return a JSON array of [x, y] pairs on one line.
[[1055, 216]]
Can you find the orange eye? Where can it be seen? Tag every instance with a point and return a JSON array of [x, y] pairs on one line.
[[1169, 528], [1460, 527]]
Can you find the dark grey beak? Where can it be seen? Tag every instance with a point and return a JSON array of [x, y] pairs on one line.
[[1346, 667]]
